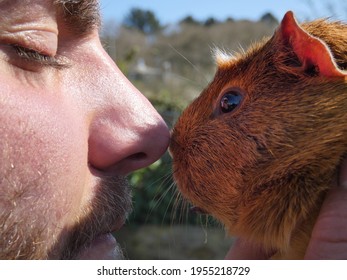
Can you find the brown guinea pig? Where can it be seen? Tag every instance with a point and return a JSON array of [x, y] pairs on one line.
[[261, 145]]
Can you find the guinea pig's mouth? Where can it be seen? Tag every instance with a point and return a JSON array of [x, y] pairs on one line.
[[198, 210]]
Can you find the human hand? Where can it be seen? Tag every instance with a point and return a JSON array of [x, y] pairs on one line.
[[329, 236]]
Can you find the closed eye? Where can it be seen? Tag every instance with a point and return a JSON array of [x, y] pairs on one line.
[[31, 55]]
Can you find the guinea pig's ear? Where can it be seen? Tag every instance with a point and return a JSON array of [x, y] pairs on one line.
[[312, 52]]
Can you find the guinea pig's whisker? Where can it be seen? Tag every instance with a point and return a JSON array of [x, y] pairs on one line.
[[195, 83], [177, 206], [169, 204], [162, 196], [190, 63]]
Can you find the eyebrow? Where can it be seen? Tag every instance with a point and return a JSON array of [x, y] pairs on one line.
[[80, 15]]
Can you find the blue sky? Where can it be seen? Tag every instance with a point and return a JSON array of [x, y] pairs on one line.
[[171, 11]]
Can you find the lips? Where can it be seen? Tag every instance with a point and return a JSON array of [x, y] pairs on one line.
[[103, 247]]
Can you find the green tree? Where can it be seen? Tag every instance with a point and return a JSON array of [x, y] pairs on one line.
[[210, 21], [269, 19], [143, 20], [189, 20]]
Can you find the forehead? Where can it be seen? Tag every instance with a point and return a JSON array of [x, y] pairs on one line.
[[65, 3], [79, 15]]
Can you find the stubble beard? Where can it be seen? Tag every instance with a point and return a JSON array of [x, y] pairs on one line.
[[20, 239]]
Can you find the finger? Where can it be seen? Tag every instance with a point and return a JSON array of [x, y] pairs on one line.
[[343, 174], [243, 250], [329, 236]]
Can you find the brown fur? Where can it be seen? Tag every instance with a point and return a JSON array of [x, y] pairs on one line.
[[263, 169]]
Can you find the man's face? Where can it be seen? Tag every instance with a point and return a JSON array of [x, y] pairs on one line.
[[71, 126]]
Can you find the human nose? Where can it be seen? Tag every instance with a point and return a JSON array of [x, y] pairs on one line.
[[126, 133]]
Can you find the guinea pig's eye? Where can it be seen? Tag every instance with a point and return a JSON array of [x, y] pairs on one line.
[[230, 101]]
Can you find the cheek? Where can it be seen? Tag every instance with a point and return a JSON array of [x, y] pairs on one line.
[[210, 173], [43, 159]]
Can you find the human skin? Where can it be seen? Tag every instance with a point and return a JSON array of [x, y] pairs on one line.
[[72, 127]]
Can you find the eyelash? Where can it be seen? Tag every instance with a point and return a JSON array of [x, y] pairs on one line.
[[37, 57]]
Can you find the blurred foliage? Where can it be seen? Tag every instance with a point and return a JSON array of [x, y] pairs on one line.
[[144, 21], [270, 19], [171, 65], [189, 20], [153, 193]]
